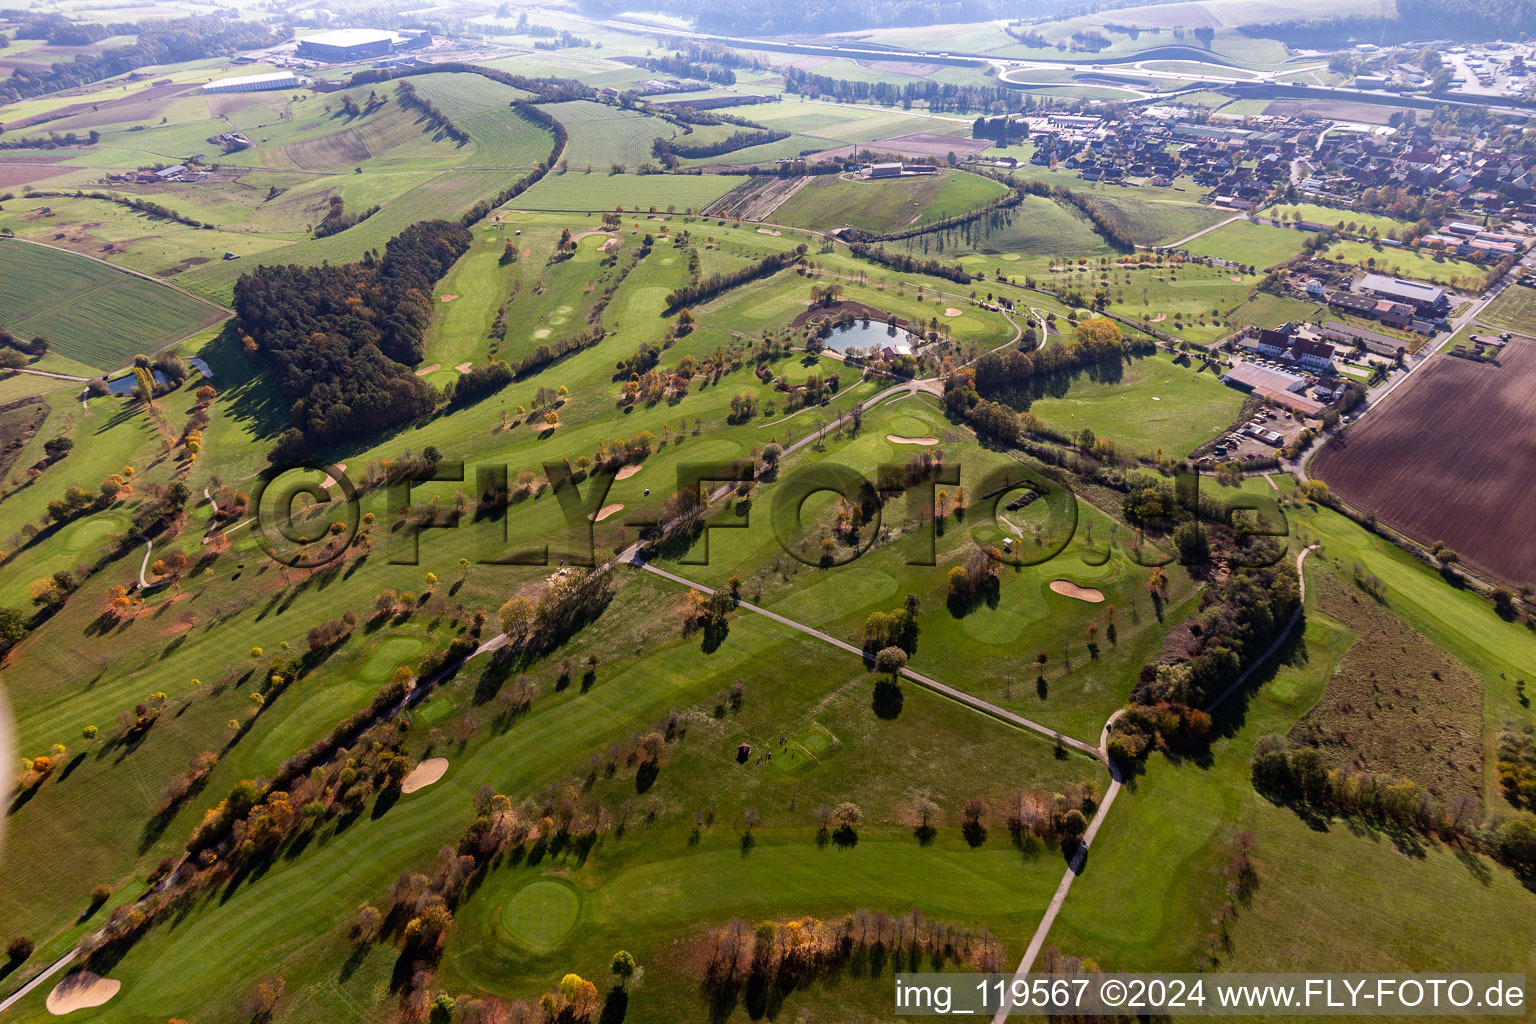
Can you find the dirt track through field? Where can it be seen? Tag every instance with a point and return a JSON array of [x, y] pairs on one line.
[[1451, 458]]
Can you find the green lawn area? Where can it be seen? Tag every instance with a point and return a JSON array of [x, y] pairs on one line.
[[1261, 245], [1411, 263], [888, 204], [1335, 217], [1155, 405], [1266, 310], [91, 311], [651, 885]]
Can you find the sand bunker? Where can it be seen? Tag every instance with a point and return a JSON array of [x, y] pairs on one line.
[[424, 774], [768, 231], [951, 311], [1066, 588], [1160, 318], [465, 367], [423, 371], [898, 439], [449, 298], [329, 480], [81, 991], [1237, 277], [605, 512], [627, 472]]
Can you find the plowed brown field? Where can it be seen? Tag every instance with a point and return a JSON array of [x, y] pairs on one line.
[[1452, 457]]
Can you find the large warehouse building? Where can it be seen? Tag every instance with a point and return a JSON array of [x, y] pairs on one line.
[[256, 83], [348, 44]]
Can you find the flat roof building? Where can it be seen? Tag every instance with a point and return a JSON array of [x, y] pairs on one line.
[[348, 44], [255, 83], [1251, 377], [1420, 296]]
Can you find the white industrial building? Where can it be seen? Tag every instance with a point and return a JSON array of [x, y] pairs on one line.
[[256, 83]]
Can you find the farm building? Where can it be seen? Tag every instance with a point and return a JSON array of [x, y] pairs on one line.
[[348, 44], [1297, 345], [1419, 296], [1276, 385], [1346, 334], [885, 171], [255, 83], [1251, 377]]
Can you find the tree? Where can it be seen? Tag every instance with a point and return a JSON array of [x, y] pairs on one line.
[[13, 627], [849, 816], [19, 948], [622, 967], [265, 995], [366, 925], [924, 810], [891, 660], [1074, 824], [517, 618], [441, 1010]]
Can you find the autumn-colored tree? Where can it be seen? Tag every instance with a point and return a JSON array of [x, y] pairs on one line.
[[517, 617], [264, 996]]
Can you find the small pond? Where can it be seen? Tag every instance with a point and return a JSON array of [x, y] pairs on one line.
[[125, 384], [874, 334]]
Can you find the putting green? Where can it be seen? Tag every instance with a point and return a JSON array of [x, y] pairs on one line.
[[90, 532], [389, 654], [541, 914], [910, 426]]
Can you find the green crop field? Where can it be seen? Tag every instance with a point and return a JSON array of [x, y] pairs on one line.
[[886, 205], [90, 311], [603, 135]]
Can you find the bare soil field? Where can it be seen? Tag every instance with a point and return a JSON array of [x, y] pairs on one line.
[[1343, 110], [1451, 457], [757, 198], [19, 172]]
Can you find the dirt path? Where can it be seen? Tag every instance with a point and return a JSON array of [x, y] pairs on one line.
[[1203, 231]]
